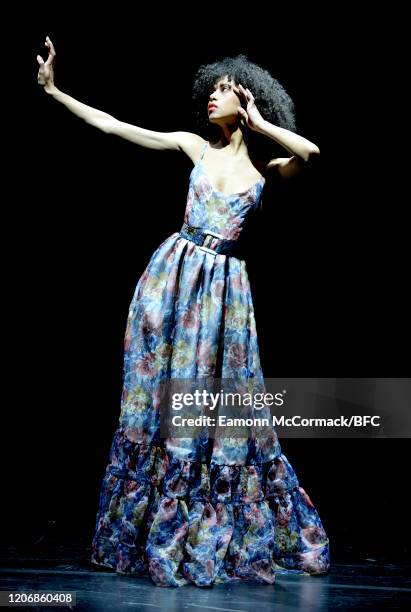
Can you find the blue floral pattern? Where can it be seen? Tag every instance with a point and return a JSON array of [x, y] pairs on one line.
[[177, 509]]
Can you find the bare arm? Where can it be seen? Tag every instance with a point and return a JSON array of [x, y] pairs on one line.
[[184, 141], [301, 149], [110, 125], [295, 144]]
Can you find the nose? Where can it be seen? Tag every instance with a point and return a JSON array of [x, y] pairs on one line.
[[212, 97]]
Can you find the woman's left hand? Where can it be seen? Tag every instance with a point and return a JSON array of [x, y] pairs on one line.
[[251, 115]]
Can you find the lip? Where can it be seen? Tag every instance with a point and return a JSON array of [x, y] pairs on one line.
[[212, 106]]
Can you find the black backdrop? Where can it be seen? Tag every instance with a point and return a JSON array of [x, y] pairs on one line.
[[328, 268]]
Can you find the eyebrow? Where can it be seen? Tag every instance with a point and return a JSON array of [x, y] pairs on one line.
[[223, 83]]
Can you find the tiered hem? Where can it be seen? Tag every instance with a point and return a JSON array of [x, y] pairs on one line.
[[184, 521]]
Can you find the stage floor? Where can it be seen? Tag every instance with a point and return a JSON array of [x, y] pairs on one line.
[[346, 587]]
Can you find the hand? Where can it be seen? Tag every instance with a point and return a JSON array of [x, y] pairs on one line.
[[45, 75], [251, 115]]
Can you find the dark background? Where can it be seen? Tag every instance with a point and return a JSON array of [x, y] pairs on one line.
[[328, 267]]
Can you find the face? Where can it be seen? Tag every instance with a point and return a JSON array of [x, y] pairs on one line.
[[223, 102]]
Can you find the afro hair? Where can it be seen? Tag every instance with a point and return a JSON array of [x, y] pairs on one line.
[[273, 102]]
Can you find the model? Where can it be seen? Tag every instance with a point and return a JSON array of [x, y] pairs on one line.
[[203, 510]]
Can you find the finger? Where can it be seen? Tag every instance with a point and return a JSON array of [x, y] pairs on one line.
[[51, 55], [245, 93], [50, 59], [238, 91], [250, 94], [40, 60], [52, 49]]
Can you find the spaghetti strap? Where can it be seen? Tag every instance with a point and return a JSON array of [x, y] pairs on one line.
[[203, 150]]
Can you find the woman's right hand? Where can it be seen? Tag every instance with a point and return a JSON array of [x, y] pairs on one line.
[[45, 75]]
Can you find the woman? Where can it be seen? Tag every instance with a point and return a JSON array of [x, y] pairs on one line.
[[203, 509]]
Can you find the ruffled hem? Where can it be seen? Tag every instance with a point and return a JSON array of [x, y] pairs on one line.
[[183, 521]]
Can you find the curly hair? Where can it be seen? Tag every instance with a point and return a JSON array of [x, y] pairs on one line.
[[273, 102]]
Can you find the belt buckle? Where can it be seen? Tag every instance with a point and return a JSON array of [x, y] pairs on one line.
[[208, 238]]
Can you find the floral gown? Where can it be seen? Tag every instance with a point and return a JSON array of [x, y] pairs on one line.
[[174, 509]]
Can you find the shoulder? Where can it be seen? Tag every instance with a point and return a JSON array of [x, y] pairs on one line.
[[190, 143]]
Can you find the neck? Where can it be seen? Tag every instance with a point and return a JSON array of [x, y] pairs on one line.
[[231, 140]]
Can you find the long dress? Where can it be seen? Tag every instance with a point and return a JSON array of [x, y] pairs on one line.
[[175, 509]]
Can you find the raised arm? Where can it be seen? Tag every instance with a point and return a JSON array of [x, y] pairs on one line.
[[184, 141]]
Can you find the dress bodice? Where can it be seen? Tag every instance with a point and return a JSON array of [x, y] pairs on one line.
[[208, 208]]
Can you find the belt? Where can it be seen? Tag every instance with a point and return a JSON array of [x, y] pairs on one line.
[[209, 241]]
